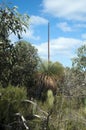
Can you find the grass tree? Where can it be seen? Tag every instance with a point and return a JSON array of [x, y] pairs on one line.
[[48, 75]]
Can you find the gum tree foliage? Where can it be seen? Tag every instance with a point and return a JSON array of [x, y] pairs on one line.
[[79, 62], [75, 78], [26, 66], [74, 82], [10, 22]]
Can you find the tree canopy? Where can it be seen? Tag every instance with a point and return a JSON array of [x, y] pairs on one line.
[[26, 64], [79, 62], [10, 22]]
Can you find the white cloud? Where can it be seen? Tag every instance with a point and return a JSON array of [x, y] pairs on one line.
[[80, 25], [34, 21], [37, 20], [64, 27], [83, 36], [69, 9], [59, 47], [30, 34]]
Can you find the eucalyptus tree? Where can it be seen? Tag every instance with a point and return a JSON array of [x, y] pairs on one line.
[[79, 62], [25, 67], [10, 22], [75, 77], [79, 69]]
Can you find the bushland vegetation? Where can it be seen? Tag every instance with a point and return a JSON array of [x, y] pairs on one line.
[[36, 94]]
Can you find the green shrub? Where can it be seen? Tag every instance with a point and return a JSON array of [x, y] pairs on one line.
[[10, 103]]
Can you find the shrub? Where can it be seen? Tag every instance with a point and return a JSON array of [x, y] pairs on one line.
[[10, 103]]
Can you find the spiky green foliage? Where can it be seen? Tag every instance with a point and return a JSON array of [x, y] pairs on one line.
[[48, 75], [10, 103]]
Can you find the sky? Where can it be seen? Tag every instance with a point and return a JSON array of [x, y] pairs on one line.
[[67, 19]]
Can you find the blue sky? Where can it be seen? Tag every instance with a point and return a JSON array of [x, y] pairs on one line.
[[67, 20]]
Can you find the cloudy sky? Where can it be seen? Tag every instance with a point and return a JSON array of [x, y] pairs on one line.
[[67, 20]]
